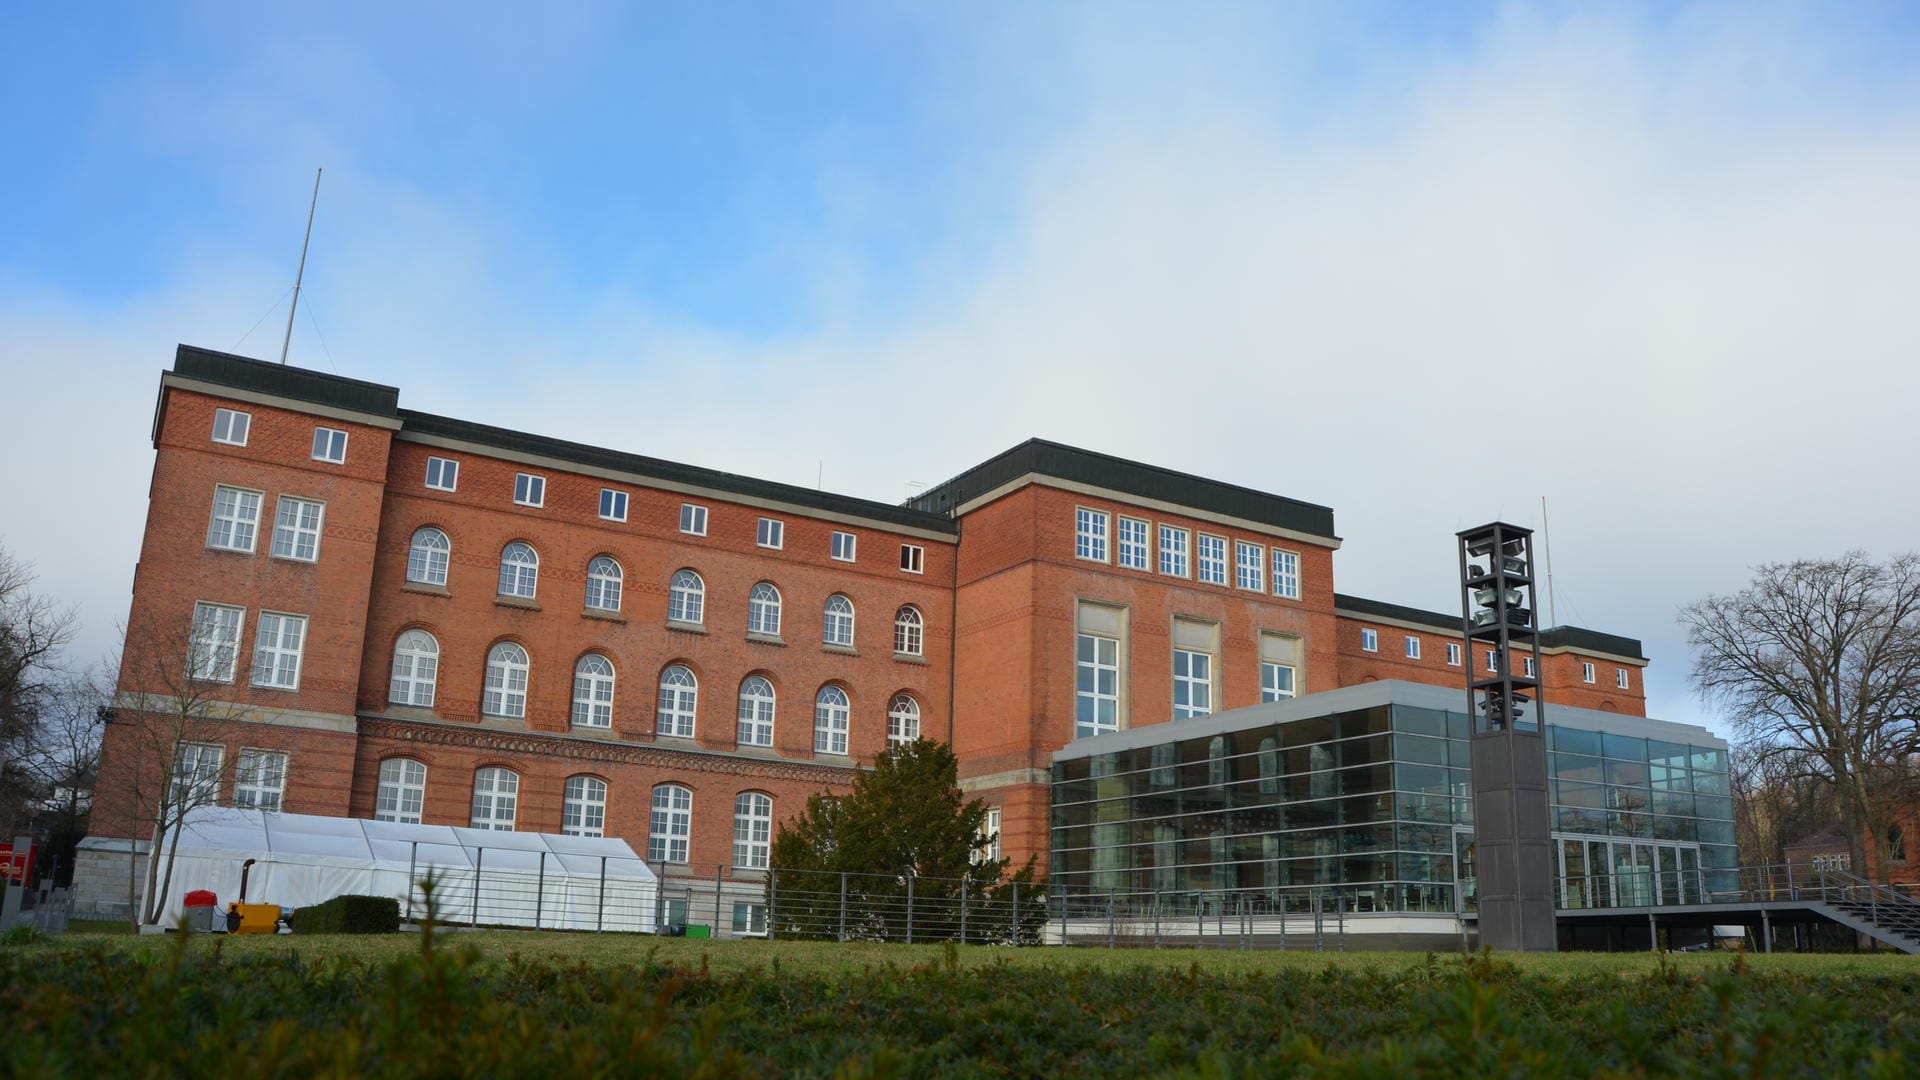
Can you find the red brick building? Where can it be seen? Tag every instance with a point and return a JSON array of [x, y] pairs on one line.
[[431, 619]]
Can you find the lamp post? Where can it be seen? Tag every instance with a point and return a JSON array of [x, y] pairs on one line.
[[1512, 829]]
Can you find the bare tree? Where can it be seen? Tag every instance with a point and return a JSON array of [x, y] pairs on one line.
[[33, 630], [1820, 660], [1779, 799], [60, 762]]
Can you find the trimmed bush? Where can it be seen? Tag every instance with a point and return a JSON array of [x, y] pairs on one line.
[[349, 915]]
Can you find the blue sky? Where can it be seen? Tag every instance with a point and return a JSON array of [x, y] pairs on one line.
[[1278, 244]]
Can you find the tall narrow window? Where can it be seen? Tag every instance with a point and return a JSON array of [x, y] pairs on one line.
[[1586, 671], [679, 701], [213, 646], [1211, 559], [1249, 566], [593, 692], [1453, 653], [276, 650], [1090, 534], [1286, 574], [496, 795], [529, 490], [903, 720], [986, 842], [236, 518], [613, 504], [1493, 660], [1369, 639], [844, 545], [230, 426], [402, 792], [763, 610], [1527, 663], [603, 584], [830, 721], [427, 557], [1621, 679], [1173, 551], [330, 445], [443, 474], [416, 664], [296, 529], [756, 712], [583, 807], [1269, 762], [505, 693], [837, 625], [1097, 686], [259, 779], [1131, 545], [752, 830], [1279, 666], [195, 780], [693, 519], [771, 533], [671, 825], [519, 571], [907, 627], [686, 598], [1192, 684]]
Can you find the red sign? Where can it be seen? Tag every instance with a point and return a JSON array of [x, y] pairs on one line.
[[15, 865]]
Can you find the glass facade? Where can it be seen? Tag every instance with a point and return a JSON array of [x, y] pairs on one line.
[[1375, 804]]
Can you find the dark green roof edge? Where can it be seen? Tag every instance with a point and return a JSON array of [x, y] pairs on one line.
[[313, 387], [1128, 477], [657, 468], [1572, 637]]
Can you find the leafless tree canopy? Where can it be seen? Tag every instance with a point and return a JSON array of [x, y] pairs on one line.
[[1817, 663], [33, 630]]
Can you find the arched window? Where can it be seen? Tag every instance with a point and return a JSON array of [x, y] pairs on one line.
[[416, 662], [671, 824], [403, 791], [763, 610], [506, 690], [583, 809], [752, 830], [427, 557], [686, 598], [830, 713], [907, 625], [756, 712], [495, 793], [1269, 766], [837, 627], [593, 692], [1217, 761], [519, 571], [903, 720], [679, 696], [603, 584]]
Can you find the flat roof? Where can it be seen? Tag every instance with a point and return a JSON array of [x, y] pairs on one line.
[[1571, 637]]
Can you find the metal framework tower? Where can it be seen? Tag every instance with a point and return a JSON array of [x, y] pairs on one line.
[[1511, 814]]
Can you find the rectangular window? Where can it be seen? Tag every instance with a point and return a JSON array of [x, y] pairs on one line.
[[1090, 534], [1192, 684], [1370, 640], [329, 444], [1097, 686], [214, 644], [196, 775], [529, 490], [1173, 551], [1493, 660], [230, 426], [1279, 665], [1620, 678], [613, 504], [1453, 653], [1276, 681], [1249, 566], [990, 835], [772, 533], [443, 474], [843, 546], [913, 558], [693, 519], [1586, 671], [1132, 543], [1286, 574], [296, 528], [1413, 647], [259, 779], [1213, 559], [236, 518], [749, 918], [1527, 663], [276, 650]]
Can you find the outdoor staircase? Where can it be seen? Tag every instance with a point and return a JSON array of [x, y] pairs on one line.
[[1883, 914]]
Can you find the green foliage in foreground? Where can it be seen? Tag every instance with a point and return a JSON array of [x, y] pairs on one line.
[[202, 1007]]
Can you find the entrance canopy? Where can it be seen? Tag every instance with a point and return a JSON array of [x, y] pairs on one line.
[[480, 876]]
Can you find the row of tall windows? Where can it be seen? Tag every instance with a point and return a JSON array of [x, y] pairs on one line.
[[259, 777], [235, 524], [1255, 567], [213, 646], [1100, 675]]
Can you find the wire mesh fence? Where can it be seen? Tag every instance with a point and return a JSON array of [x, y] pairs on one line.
[[909, 908]]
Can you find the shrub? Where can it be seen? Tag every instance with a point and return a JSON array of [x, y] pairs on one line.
[[349, 915]]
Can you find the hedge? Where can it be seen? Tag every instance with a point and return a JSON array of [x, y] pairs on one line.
[[349, 915]]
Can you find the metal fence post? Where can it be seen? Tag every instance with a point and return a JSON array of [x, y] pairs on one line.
[[600, 917], [1156, 918], [413, 861], [1340, 910], [964, 882], [540, 892], [717, 869], [1016, 913], [910, 876], [843, 905], [1319, 925], [479, 856], [1113, 919], [773, 901]]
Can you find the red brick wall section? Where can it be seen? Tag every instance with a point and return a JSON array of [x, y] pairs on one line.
[[1561, 674]]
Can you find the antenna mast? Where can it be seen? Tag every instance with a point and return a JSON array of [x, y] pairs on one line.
[[302, 272], [1546, 545]]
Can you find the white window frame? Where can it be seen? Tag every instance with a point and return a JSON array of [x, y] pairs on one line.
[[260, 779], [832, 720], [1453, 654], [604, 578], [1210, 559], [687, 598], [290, 535], [227, 419], [1493, 661], [213, 643], [426, 563], [749, 919], [412, 683], [1249, 566], [1133, 543], [193, 779], [844, 546], [496, 799], [1369, 639], [1175, 547], [1270, 688], [509, 671], [1527, 665], [909, 631], [1412, 647], [1090, 534], [763, 609], [1588, 674], [519, 577], [913, 559], [529, 489], [758, 702], [770, 533], [613, 504], [1193, 676], [443, 474], [752, 830], [278, 643], [1622, 679], [1286, 574], [693, 519], [593, 681], [836, 622], [330, 445], [242, 513], [677, 706], [583, 806], [1086, 671], [670, 824], [990, 834], [402, 792], [903, 720]]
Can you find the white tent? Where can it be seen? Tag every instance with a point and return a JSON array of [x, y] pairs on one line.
[[512, 878]]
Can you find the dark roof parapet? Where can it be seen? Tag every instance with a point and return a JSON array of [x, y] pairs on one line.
[[300, 384], [1569, 637]]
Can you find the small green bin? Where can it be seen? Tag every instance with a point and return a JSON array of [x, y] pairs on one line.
[[699, 930]]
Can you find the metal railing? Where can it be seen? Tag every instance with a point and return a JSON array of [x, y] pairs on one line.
[[537, 890], [841, 906], [1286, 917]]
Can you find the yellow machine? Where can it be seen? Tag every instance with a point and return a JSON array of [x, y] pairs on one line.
[[257, 918]]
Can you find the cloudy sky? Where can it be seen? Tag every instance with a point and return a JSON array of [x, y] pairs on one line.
[[1422, 263]]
